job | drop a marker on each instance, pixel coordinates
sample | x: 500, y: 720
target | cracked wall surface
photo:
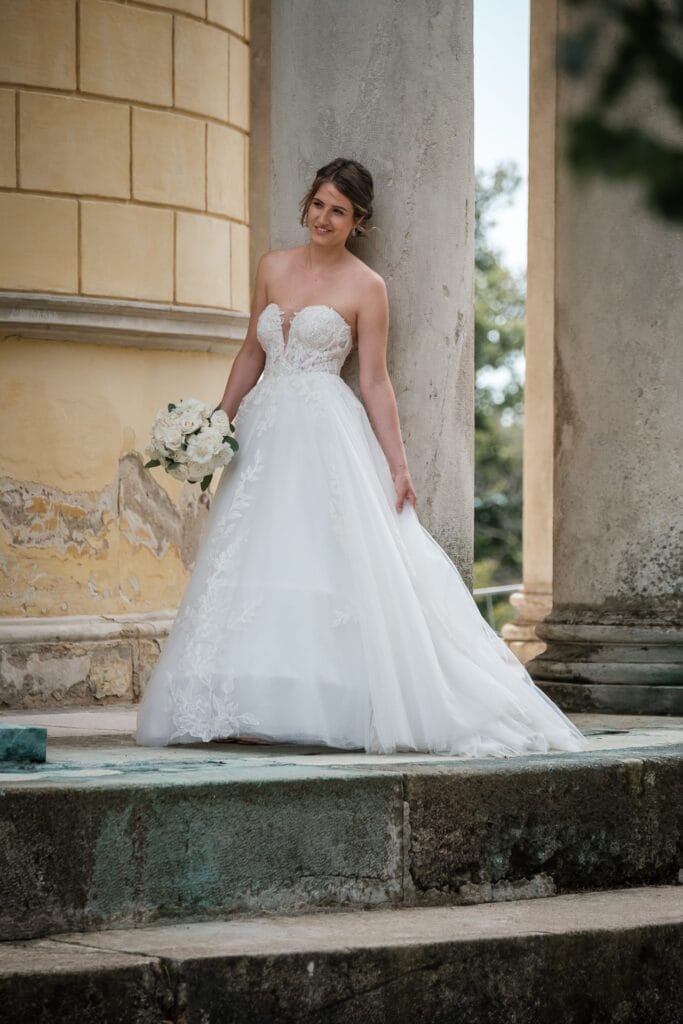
x: 84, y: 527
x: 86, y: 531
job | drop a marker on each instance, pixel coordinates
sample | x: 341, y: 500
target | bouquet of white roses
x: 191, y: 439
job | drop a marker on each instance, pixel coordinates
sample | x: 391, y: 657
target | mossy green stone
x: 22, y: 744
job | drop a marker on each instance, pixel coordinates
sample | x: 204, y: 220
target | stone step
x: 107, y: 834
x: 592, y: 958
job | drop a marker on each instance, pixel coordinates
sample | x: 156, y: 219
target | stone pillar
x: 390, y: 84
x: 614, y: 635
x: 124, y: 283
x: 534, y: 600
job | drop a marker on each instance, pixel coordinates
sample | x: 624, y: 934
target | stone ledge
x: 119, y: 834
x: 613, y: 697
x: 121, y: 322
x: 58, y: 661
x: 612, y: 957
x: 66, y: 628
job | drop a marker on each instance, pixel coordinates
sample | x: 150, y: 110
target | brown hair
x: 353, y: 181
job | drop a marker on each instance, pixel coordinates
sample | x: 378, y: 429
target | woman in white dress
x: 320, y: 610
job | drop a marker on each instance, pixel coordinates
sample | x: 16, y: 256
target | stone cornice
x: 120, y: 322
x: 63, y: 628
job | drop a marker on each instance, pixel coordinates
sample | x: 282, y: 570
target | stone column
x: 390, y: 84
x: 614, y: 635
x: 534, y: 600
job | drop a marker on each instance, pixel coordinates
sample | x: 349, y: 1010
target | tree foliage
x: 499, y: 342
x: 621, y: 45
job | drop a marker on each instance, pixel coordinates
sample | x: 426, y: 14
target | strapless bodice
x: 318, y: 340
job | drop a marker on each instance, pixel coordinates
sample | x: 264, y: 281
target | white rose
x: 225, y: 455
x: 203, y: 446
x: 220, y: 422
x: 196, y: 471
x: 190, y: 420
x: 189, y: 405
x: 178, y: 472
x: 167, y: 435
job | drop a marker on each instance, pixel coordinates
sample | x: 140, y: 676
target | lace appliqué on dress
x: 199, y: 692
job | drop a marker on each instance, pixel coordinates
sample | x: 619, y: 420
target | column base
x: 79, y: 659
x: 520, y: 635
x: 623, y: 669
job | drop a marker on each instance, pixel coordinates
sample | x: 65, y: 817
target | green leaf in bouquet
x: 232, y: 442
x: 171, y: 406
x: 152, y: 463
x: 206, y: 481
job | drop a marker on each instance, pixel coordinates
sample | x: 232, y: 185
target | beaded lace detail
x: 318, y: 340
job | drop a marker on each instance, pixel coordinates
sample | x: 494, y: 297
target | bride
x: 320, y: 610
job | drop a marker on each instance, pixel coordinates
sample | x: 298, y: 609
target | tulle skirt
x: 318, y: 614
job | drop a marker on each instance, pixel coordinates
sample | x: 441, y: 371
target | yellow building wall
x: 85, y: 528
x: 124, y: 151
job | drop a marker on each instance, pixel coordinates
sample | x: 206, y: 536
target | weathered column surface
x: 390, y: 84
x: 614, y: 635
x: 534, y: 600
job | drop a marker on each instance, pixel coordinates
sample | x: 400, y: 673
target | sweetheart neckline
x: 294, y: 313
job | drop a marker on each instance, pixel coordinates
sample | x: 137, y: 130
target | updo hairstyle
x: 353, y: 181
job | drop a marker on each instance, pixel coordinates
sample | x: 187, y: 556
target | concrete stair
x: 607, y: 957
x: 500, y: 888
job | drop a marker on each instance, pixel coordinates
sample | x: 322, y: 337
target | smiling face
x: 330, y: 217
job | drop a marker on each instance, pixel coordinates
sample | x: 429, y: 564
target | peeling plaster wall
x: 84, y: 528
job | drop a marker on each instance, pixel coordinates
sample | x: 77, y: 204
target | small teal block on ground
x: 22, y: 744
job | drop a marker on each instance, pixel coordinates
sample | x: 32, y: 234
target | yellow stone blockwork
x: 228, y: 13
x: 239, y: 83
x: 82, y: 532
x: 184, y: 6
x: 126, y: 52
x: 239, y: 262
x: 127, y: 251
x: 38, y: 42
x: 8, y: 164
x: 43, y: 251
x: 226, y: 185
x: 201, y: 68
x: 74, y: 145
x: 116, y: 119
x: 169, y: 158
x: 202, y: 260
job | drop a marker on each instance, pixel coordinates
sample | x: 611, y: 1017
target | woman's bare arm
x: 377, y: 390
x: 250, y: 360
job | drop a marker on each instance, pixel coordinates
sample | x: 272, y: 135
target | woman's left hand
x: 403, y: 486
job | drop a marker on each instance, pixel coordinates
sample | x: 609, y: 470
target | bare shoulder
x: 372, y: 289
x: 275, y: 263
x: 277, y: 258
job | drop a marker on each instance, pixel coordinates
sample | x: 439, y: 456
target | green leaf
x: 152, y: 463
x: 206, y: 481
x: 171, y: 406
x: 232, y: 442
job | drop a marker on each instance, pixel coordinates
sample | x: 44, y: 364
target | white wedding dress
x: 318, y: 614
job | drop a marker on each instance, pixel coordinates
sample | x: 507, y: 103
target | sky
x: 501, y: 109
